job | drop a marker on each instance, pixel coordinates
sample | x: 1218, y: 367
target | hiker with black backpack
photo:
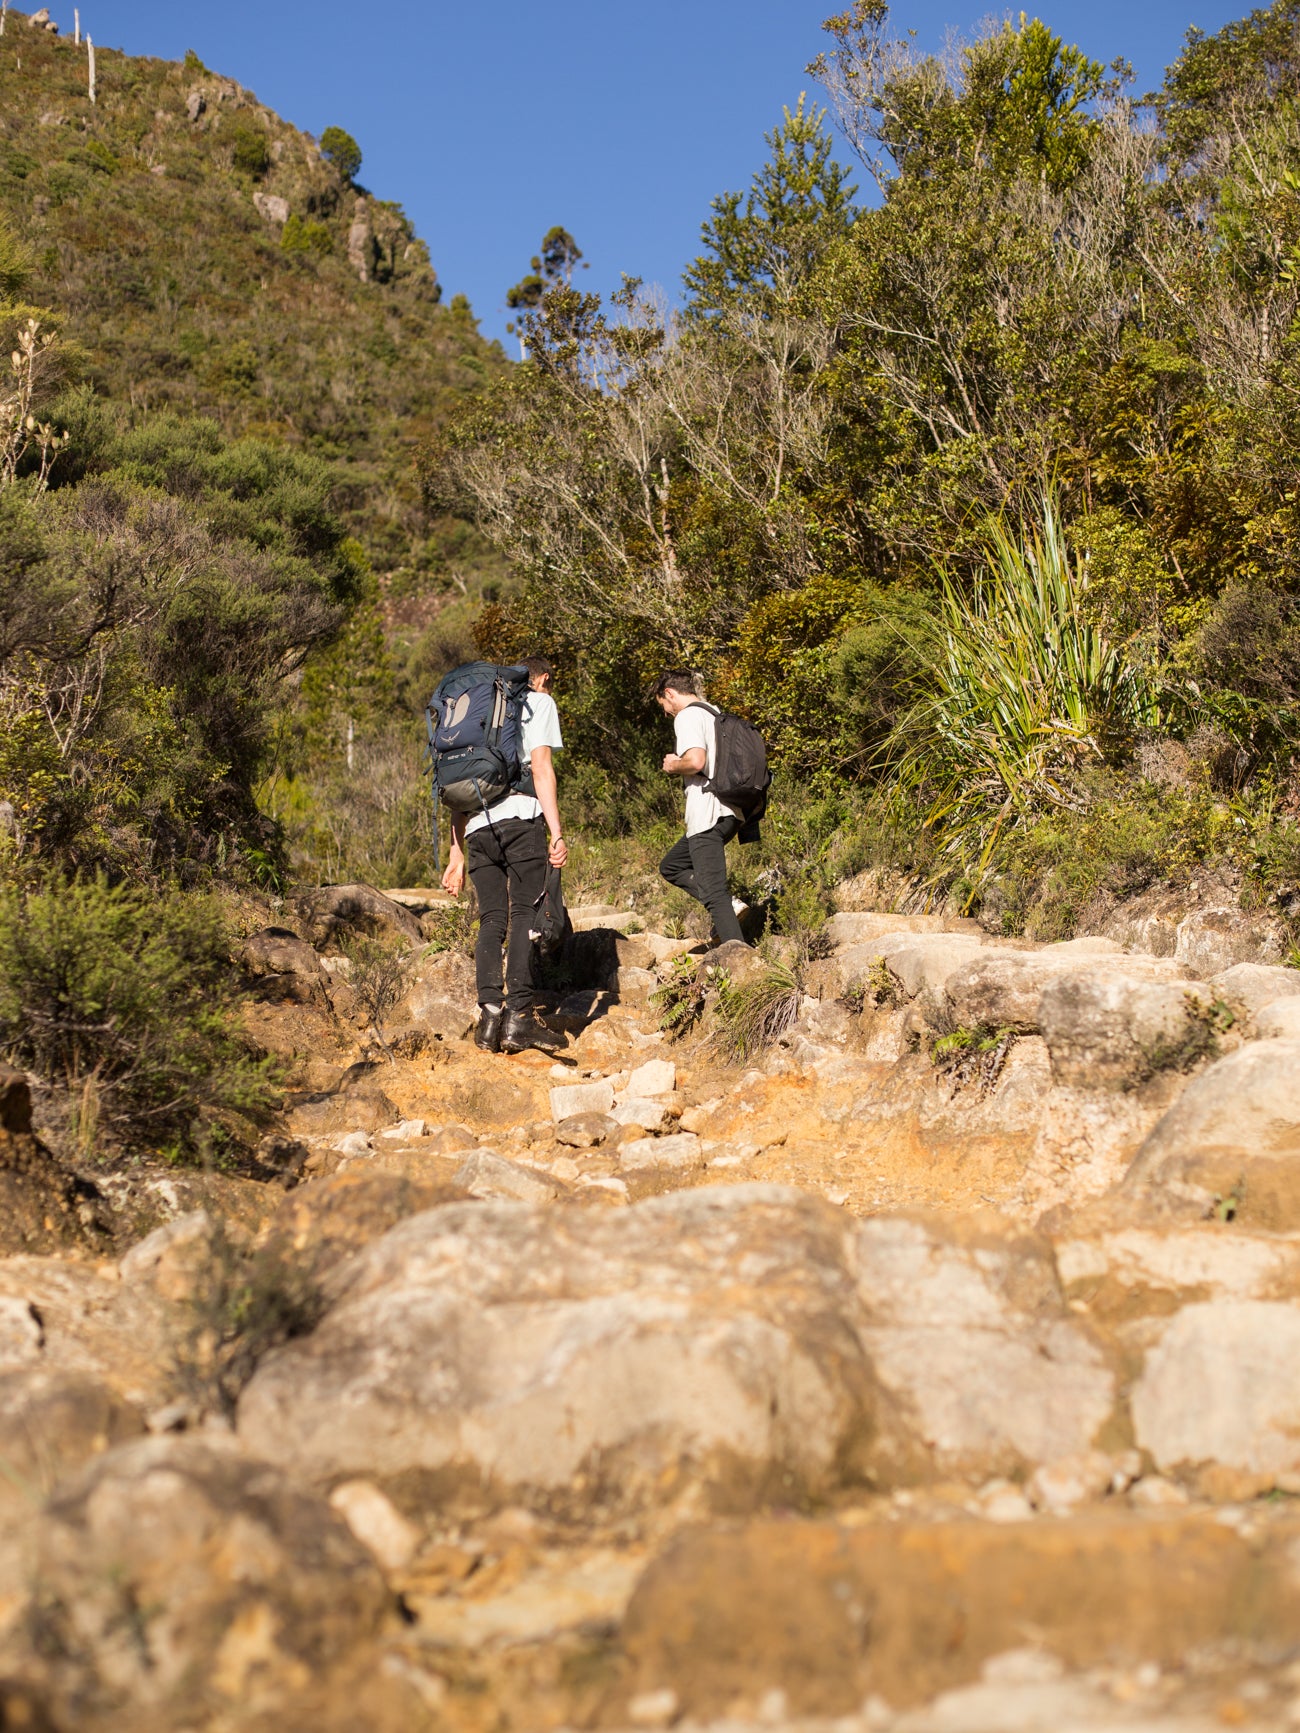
x: 723, y: 763
x: 492, y: 735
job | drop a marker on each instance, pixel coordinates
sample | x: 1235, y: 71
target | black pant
x: 507, y: 865
x: 698, y: 866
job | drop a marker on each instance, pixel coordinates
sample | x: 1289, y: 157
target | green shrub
x: 302, y: 235
x: 122, y: 996
x: 252, y: 152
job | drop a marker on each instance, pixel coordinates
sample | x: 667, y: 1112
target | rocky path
x: 937, y: 1371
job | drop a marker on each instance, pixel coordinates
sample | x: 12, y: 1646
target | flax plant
x: 1027, y: 692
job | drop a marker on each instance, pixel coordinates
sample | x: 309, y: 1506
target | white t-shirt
x: 695, y: 726
x: 541, y: 727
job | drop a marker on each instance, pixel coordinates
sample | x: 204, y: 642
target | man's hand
x: 558, y: 852
x: 672, y: 764
x: 453, y: 879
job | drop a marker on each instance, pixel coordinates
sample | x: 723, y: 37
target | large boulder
x: 921, y: 964
x: 178, y: 1582
x: 1210, y: 941
x: 1279, y: 1020
x: 733, y: 1340
x: 578, y: 1359
x: 1231, y: 1141
x: 321, y: 1224
x: 1004, y: 988
x: 52, y: 1422
x: 857, y: 928
x: 359, y: 1103
x: 334, y: 912
x: 1249, y: 987
x: 75, y: 1317
x: 1105, y: 1029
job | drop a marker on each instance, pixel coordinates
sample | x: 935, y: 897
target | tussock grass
x: 1028, y: 693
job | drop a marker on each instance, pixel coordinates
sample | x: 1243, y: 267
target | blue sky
x: 489, y: 123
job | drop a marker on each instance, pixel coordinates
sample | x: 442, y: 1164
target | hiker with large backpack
x: 723, y: 763
x: 492, y: 735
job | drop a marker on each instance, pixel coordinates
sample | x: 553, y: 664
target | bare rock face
x: 361, y: 241
x: 1231, y: 1140
x: 582, y: 1360
x: 271, y: 206
x: 180, y: 1578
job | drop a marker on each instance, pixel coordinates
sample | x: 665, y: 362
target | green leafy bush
x: 122, y: 996
x: 303, y: 235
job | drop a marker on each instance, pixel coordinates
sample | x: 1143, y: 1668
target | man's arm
x: 453, y: 879
x: 542, y: 765
x: 688, y: 763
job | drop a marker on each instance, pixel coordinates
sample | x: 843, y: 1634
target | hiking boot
x: 526, y: 1029
x: 488, y: 1034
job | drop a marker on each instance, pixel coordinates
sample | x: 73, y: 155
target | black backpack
x: 475, y: 721
x: 740, y: 775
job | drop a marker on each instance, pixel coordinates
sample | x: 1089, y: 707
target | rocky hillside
x: 908, y: 1347
x: 210, y: 259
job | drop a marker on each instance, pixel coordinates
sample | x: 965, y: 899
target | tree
x: 551, y: 268
x: 1016, y: 100
x: 762, y: 245
x: 341, y: 149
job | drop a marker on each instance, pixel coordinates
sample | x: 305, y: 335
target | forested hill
x: 210, y: 258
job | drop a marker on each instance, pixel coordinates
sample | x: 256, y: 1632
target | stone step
x: 828, y: 1615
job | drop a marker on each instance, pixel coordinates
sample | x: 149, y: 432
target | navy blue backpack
x: 475, y: 720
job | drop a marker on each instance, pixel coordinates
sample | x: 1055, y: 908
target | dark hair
x: 538, y: 668
x: 679, y: 679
